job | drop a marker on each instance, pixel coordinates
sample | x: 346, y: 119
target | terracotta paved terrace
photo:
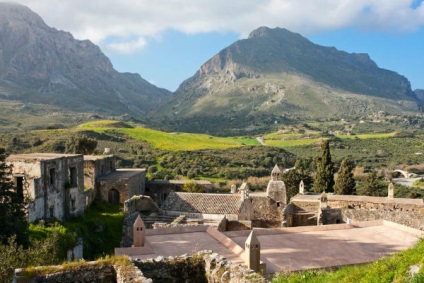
x: 290, y: 249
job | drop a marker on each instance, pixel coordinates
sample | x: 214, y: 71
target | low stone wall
x: 408, y: 218
x: 408, y: 214
x: 83, y: 272
x: 202, y: 267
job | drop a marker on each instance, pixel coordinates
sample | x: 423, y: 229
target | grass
x: 419, y: 183
x: 288, y: 143
x: 394, y: 268
x: 170, y: 141
x: 367, y: 136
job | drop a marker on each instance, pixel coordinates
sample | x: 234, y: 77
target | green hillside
x: 167, y: 141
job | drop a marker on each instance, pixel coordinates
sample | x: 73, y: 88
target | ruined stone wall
x: 202, y: 267
x: 411, y: 215
x: 302, y: 213
x: 140, y: 203
x: 332, y: 216
x: 413, y: 219
x: 48, y: 185
x: 95, y: 166
x: 136, y: 184
x: 84, y: 272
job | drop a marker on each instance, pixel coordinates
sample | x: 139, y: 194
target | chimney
x: 139, y: 232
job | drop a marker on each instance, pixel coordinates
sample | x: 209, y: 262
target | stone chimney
x: 139, y: 232
x: 107, y: 151
x: 391, y: 191
x: 252, y: 252
x: 276, y: 173
x: 301, y: 188
x: 244, y: 191
x: 233, y: 189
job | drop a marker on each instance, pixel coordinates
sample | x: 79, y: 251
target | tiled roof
x: 203, y: 203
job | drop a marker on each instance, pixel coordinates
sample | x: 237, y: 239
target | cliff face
x: 41, y: 64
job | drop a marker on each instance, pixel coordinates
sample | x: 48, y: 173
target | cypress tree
x: 12, y: 208
x: 345, y: 183
x: 324, y: 177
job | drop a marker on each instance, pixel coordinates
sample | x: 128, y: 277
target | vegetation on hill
x: 168, y: 141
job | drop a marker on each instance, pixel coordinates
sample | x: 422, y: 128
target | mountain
x: 276, y: 76
x: 39, y: 64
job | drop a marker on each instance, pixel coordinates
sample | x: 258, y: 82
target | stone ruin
x: 205, y: 266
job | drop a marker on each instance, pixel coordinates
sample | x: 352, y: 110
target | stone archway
x: 113, y: 196
x: 405, y: 174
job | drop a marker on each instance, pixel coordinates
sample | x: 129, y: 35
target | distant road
x: 261, y: 140
x: 406, y: 182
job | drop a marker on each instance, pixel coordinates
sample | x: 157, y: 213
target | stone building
x: 120, y: 185
x: 104, y: 182
x: 96, y: 166
x: 53, y: 184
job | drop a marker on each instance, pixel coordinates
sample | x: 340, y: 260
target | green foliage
x: 324, y: 177
x: 12, y: 206
x: 408, y: 192
x: 80, y: 144
x: 292, y: 180
x: 100, y: 227
x: 192, y: 187
x: 345, y: 183
x: 391, y: 269
x: 39, y: 252
x: 373, y: 185
x: 171, y: 141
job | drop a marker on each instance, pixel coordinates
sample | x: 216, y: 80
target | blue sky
x: 166, y: 41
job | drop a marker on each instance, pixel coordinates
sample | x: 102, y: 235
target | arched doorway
x: 113, y: 196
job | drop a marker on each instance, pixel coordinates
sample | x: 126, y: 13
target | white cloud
x: 126, y: 46
x: 124, y: 20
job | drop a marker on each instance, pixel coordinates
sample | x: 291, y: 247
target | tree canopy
x: 324, y: 177
x: 12, y: 207
x: 345, y: 183
x: 80, y: 144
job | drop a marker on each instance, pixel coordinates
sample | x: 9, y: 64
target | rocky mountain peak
x: 58, y: 69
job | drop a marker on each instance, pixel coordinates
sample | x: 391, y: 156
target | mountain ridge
x: 278, y: 76
x: 44, y: 65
